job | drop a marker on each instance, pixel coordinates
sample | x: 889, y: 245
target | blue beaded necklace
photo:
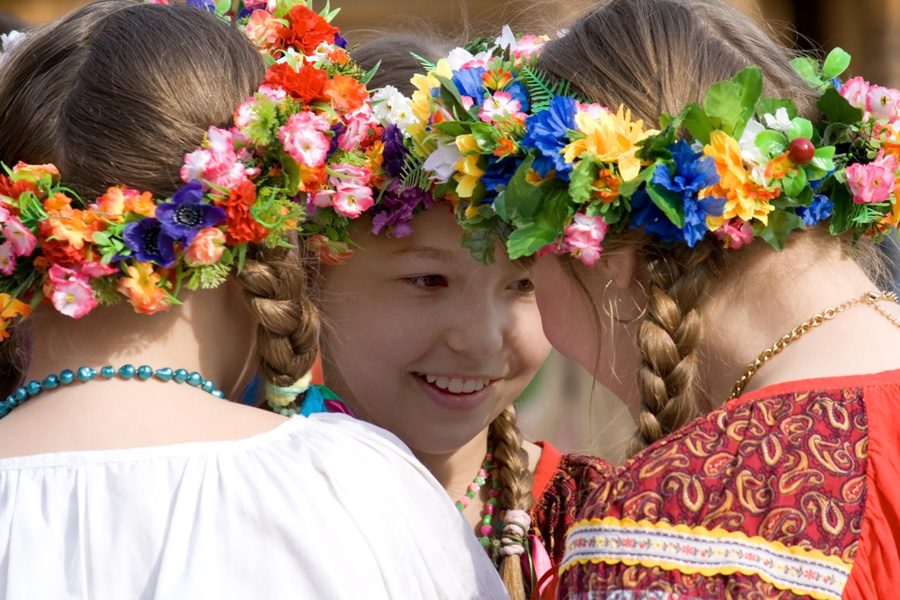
x: 85, y: 374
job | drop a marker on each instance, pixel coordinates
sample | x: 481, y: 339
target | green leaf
x: 771, y: 143
x: 821, y: 164
x: 734, y: 101
x: 698, y: 123
x: 223, y: 6
x: 453, y: 128
x: 523, y: 200
x: 837, y: 109
x: 800, y: 128
x: 780, y: 225
x: 581, y: 180
x: 669, y: 202
x: 450, y: 98
x: 769, y: 106
x: 529, y: 239
x: 480, y: 244
x: 794, y: 182
x: 557, y: 208
x: 808, y: 69
x: 100, y: 238
x: 484, y: 136
x: 836, y: 63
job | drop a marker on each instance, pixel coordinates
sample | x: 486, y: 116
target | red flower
x: 241, y: 226
x: 14, y: 190
x: 307, y: 30
x: 306, y: 84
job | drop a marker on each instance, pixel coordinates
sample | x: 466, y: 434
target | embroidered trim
x: 706, y: 552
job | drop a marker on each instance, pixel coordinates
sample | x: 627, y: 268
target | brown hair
x: 117, y: 92
x: 656, y: 56
x: 393, y: 54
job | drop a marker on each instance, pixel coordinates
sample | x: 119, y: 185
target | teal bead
x: 195, y: 379
x: 218, y: 394
x: 85, y: 374
x: 50, y: 382
x: 145, y: 372
x: 22, y: 394
x: 207, y: 386
x: 127, y: 371
x: 4, y: 409
x: 164, y: 374
x: 181, y: 376
x: 34, y: 388
x: 107, y: 372
x: 66, y: 377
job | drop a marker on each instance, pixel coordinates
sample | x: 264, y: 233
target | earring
x: 609, y: 310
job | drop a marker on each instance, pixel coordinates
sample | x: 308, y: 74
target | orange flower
x: 338, y: 56
x: 117, y: 201
x: 13, y: 191
x: 504, y: 147
x: 311, y: 178
x: 744, y: 198
x: 241, y: 226
x: 10, y: 308
x: 141, y: 287
x: 778, y: 167
x: 606, y: 188
x: 345, y: 92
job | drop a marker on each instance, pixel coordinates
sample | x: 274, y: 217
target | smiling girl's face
x: 424, y: 341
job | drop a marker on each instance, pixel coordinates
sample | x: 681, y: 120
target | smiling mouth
x: 456, y: 385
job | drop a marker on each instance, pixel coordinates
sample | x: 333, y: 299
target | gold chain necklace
x: 870, y: 298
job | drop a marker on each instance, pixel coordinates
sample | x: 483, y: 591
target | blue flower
x: 337, y: 130
x: 497, y: 175
x: 394, y: 153
x: 837, y: 83
x: 692, y: 174
x: 186, y: 215
x: 547, y: 131
x: 207, y: 5
x: 820, y: 208
x: 149, y: 242
x: 518, y: 92
x: 470, y: 83
x: 339, y: 41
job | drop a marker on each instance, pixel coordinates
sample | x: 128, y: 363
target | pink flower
x: 583, y: 236
x: 499, y: 105
x: 72, y: 294
x: 262, y: 29
x: 467, y: 102
x: 7, y: 259
x: 245, y: 113
x: 855, y: 91
x: 206, y: 248
x: 218, y: 168
x: 304, y: 140
x: 274, y: 93
x: 873, y: 182
x: 18, y: 235
x: 593, y: 109
x: 358, y: 123
x: 349, y: 174
x: 96, y: 269
x: 350, y: 200
x: 328, y: 251
x: 323, y: 198
x: 735, y: 233
x: 528, y: 45
x: 882, y: 102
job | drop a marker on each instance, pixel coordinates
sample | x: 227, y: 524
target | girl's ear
x: 620, y: 266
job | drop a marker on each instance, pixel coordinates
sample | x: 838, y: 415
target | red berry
x: 801, y: 151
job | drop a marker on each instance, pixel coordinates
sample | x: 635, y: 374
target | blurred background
x: 564, y: 405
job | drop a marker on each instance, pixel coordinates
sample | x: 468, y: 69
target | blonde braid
x: 516, y: 482
x: 667, y: 340
x: 274, y: 280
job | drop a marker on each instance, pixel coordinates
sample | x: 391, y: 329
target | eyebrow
x: 427, y: 252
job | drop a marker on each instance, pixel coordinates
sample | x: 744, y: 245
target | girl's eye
x: 523, y: 286
x: 428, y: 281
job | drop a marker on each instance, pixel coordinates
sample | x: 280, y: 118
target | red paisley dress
x: 792, y: 491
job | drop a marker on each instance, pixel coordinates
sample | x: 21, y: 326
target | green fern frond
x: 430, y: 66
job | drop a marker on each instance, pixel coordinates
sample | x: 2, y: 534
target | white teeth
x: 455, y: 385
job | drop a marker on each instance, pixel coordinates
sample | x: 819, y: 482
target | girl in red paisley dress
x: 786, y: 483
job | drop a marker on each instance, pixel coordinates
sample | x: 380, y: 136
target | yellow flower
x: 467, y: 144
x: 468, y: 175
x: 611, y: 139
x: 142, y: 288
x: 744, y: 197
x: 11, y: 308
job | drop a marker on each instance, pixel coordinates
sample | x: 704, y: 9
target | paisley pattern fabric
x: 769, y: 497
x: 562, y: 485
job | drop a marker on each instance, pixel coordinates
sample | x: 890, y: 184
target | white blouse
x: 325, y: 507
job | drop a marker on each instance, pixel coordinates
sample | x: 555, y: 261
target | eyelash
x: 526, y: 283
x: 418, y: 281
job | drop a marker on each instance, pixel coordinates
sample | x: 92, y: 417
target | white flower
x: 8, y: 41
x: 390, y: 106
x: 442, y: 162
x: 749, y: 152
x: 780, y: 122
x: 507, y: 39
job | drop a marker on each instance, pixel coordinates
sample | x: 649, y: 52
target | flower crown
x: 528, y: 163
x: 307, y: 132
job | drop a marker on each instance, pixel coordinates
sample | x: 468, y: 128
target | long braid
x: 516, y: 483
x: 274, y: 280
x: 668, y: 376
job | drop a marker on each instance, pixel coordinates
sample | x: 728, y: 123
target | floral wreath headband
x: 531, y: 165
x: 306, y: 139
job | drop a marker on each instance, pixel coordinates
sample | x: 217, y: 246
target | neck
x: 778, y: 292
x: 455, y: 470
x: 204, y: 334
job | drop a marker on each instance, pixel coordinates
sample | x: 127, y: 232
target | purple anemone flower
x: 149, y: 242
x: 207, y: 5
x: 186, y: 215
x: 399, y: 205
x: 394, y: 151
